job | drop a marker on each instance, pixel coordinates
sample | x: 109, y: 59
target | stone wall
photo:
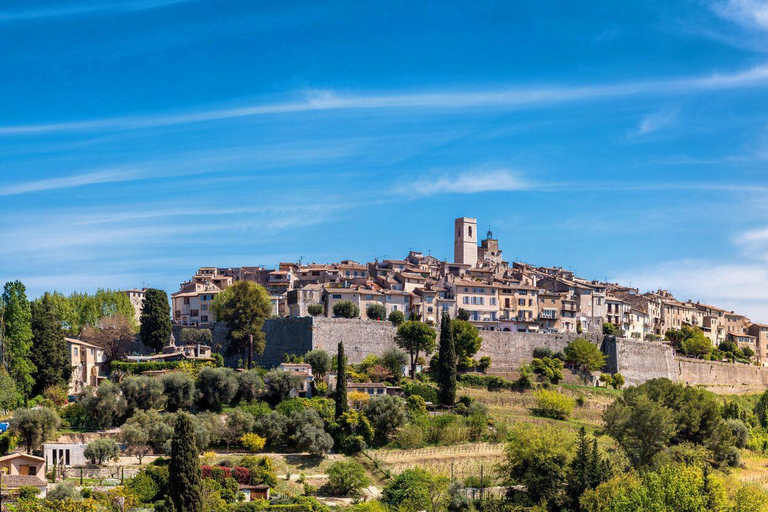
x: 637, y: 361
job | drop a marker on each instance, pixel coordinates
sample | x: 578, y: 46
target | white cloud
x: 443, y: 100
x: 469, y: 182
x: 656, y: 121
x: 748, y: 13
x: 741, y: 288
x: 85, y: 9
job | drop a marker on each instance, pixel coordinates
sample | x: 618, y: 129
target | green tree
x: 585, y: 355
x: 641, y: 426
x: 315, y: 309
x: 346, y: 309
x: 340, y: 395
x: 587, y: 470
x: 394, y: 360
x: 9, y: 396
x: 49, y: 355
x: 415, y: 338
x: 278, y: 385
x: 142, y: 392
x: 387, y: 414
x: 16, y: 335
x: 104, y: 406
x: 446, y: 366
x: 179, y: 390
x: 415, y: 490
x: 236, y: 424
x: 35, y: 426
x: 155, y: 330
x: 216, y: 387
x: 346, y: 478
x: 396, y: 317
x: 537, y: 459
x: 100, y: 451
x: 249, y: 385
x: 697, y: 345
x: 467, y: 339
x: 136, y: 440
x: 319, y: 360
x: 244, y: 307
x: 184, y: 479
x: 376, y: 311
x: 462, y: 314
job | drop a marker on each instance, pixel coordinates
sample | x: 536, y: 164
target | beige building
x: 137, y: 301
x: 519, y: 307
x: 550, y: 310
x: 22, y: 464
x: 192, y: 305
x: 480, y: 300
x: 760, y: 333
x: 88, y: 365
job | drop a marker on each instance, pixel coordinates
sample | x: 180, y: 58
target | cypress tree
x: 50, y: 354
x: 580, y: 475
x: 16, y: 334
x: 341, y: 382
x: 185, y: 484
x: 155, y: 320
x: 446, y: 376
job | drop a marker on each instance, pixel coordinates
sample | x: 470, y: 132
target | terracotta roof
x: 75, y: 341
x: 16, y: 455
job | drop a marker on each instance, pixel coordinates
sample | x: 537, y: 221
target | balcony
x: 548, y: 315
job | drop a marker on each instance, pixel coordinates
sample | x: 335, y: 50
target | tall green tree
x: 185, y: 484
x: 244, y: 307
x: 340, y: 396
x: 49, y: 355
x: 415, y: 337
x: 16, y: 333
x: 446, y: 369
x: 587, y: 470
x: 155, y: 320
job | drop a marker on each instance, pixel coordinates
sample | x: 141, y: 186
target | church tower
x: 465, y: 241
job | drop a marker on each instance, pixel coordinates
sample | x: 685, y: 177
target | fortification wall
x: 637, y: 361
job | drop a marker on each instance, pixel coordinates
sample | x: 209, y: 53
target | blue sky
x: 141, y: 139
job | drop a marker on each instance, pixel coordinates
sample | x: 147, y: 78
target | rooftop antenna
x: 301, y: 258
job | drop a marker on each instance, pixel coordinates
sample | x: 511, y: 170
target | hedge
x: 256, y: 506
x: 490, y: 382
x: 136, y: 368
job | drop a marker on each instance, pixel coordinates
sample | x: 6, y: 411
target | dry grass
x: 462, y: 460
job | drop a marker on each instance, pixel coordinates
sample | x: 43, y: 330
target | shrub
x: 376, y: 311
x: 552, y: 404
x: 484, y: 363
x: 143, y: 487
x: 63, y: 491
x: 346, y: 478
x: 542, y: 352
x: 425, y: 391
x: 253, y: 442
x: 397, y: 318
x: 386, y: 413
x: 740, y: 432
x: 315, y: 309
x: 346, y: 309
x: 549, y: 370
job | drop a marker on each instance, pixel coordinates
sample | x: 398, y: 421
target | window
x: 394, y: 307
x: 493, y: 301
x: 521, y: 302
x: 204, y: 307
x: 204, y: 318
x: 194, y: 312
x: 186, y: 300
x: 466, y: 300
x: 470, y: 231
x: 337, y: 296
x: 430, y: 309
x: 75, y: 350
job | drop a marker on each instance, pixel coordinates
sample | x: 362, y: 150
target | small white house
x: 64, y: 454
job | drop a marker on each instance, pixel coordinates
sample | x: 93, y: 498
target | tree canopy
x: 415, y: 338
x: 243, y: 307
x: 155, y: 330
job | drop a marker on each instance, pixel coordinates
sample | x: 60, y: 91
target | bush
x: 346, y: 478
x: 143, y: 487
x: 376, y: 311
x: 425, y: 391
x: 63, y: 491
x: 253, y: 442
x: 542, y: 352
x: 484, y: 363
x: 397, y: 318
x: 490, y: 382
x: 386, y: 413
x: 549, y: 370
x: 346, y: 309
x: 740, y: 432
x: 315, y: 309
x: 552, y: 404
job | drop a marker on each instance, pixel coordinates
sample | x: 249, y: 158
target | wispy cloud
x: 81, y: 9
x: 468, y: 182
x: 441, y: 100
x: 655, y: 121
x: 748, y: 13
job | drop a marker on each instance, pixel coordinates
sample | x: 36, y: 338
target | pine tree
x: 185, y: 484
x: 49, y: 354
x: 580, y: 477
x: 155, y: 320
x: 340, y: 396
x: 446, y: 368
x: 16, y: 333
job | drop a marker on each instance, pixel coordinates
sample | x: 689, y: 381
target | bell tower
x: 465, y: 241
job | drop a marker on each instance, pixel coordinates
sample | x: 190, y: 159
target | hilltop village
x: 495, y: 294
